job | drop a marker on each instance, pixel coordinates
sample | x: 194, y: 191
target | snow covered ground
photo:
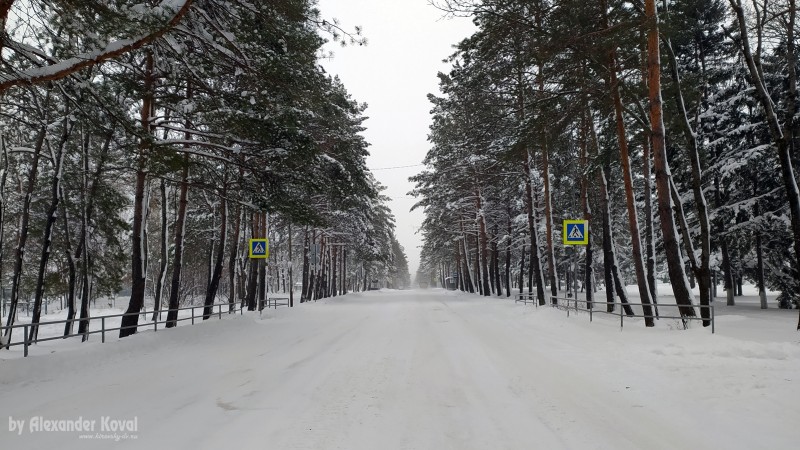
x: 416, y: 370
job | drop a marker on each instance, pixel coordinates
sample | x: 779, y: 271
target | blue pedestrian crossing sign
x: 576, y: 232
x: 259, y: 248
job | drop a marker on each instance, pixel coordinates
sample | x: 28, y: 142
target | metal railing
x: 277, y: 301
x: 526, y: 297
x: 564, y: 303
x: 28, y: 341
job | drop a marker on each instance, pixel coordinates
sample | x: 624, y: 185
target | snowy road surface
x: 412, y: 370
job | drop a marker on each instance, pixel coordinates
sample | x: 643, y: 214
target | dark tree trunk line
x: 522, y: 270
x: 633, y: 220
x: 3, y: 177
x: 262, y: 263
x: 163, y: 261
x: 508, y: 252
x: 291, y: 270
x: 232, y: 256
x: 727, y: 273
x: 762, y: 289
x: 535, y: 270
x: 613, y: 281
x: 334, y: 274
x: 304, y: 297
x: 677, y: 275
x: 71, y: 270
x: 57, y: 157
x: 138, y: 259
x: 88, y: 196
x: 587, y: 210
x: 484, y: 248
x: 180, y: 232
x: 252, y: 277
x: 649, y: 244
x: 496, y: 259
x: 703, y: 269
x: 216, y: 274
x: 467, y: 269
x: 477, y: 274
x: 22, y: 234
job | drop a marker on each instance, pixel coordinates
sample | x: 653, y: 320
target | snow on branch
x: 111, y: 50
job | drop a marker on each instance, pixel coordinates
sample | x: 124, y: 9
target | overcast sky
x: 393, y: 74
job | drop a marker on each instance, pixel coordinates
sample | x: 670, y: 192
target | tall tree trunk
x: 321, y: 270
x: 304, y: 296
x: 649, y: 243
x: 138, y: 272
x: 703, y: 269
x: 548, y: 217
x: 762, y: 290
x: 291, y: 270
x: 57, y: 157
x: 262, y: 264
x: 164, y: 256
x: 87, y: 270
x: 478, y: 266
x: 22, y: 234
x: 213, y: 285
x: 3, y: 177
x: 613, y: 280
x: 180, y: 231
x: 535, y: 270
x: 496, y: 255
x: 138, y: 260
x: 633, y: 220
x: 72, y: 270
x: 484, y: 250
x: 587, y: 210
x: 459, y: 270
x: 467, y: 269
x: 344, y: 271
x: 677, y: 275
x: 252, y: 277
x: 522, y: 257
x: 548, y: 198
x: 88, y: 195
x: 508, y: 253
x: 232, y: 256
x: 727, y: 273
x: 334, y: 263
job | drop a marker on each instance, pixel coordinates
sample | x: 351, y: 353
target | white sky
x: 393, y: 74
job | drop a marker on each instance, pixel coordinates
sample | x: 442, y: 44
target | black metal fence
x: 28, y: 340
x: 594, y: 307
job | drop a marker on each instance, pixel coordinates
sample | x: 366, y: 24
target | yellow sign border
x: 567, y: 223
x: 266, y: 247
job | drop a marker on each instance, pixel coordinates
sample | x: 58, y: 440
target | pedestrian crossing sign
x: 259, y: 248
x: 576, y: 232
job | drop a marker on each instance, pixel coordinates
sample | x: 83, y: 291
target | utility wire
x: 396, y: 167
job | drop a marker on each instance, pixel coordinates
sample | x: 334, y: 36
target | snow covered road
x: 412, y: 370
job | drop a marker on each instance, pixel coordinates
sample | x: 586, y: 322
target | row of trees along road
x: 668, y: 125
x: 144, y: 144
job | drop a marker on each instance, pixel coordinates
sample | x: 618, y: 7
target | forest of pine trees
x: 669, y: 125
x: 144, y: 144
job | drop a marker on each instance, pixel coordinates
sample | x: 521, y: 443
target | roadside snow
x: 419, y: 370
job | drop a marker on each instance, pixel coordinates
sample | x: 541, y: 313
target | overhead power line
x: 397, y: 167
